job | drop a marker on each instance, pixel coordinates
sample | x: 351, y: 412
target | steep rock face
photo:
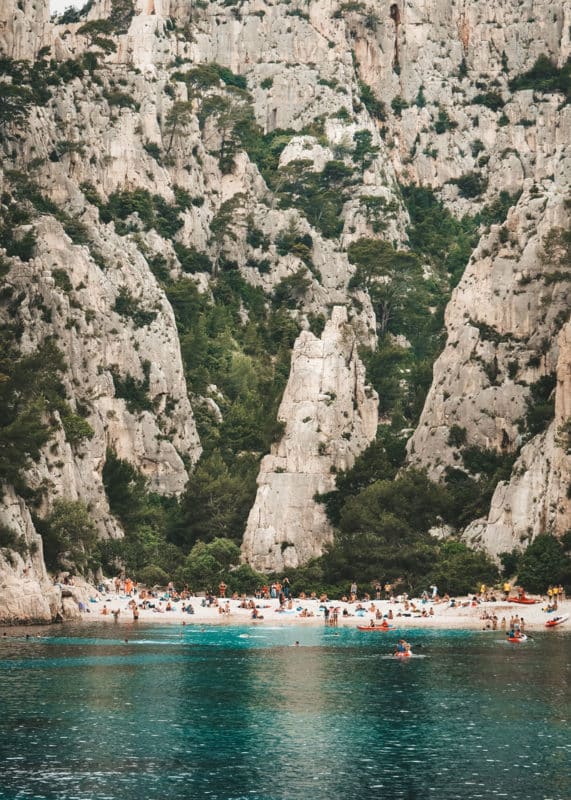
x: 96, y: 295
x: 101, y: 349
x: 23, y: 25
x: 536, y: 499
x: 330, y: 416
x: 26, y: 594
x: 443, y: 69
x: 431, y: 62
x: 502, y: 322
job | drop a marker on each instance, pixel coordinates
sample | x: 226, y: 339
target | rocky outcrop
x: 503, y: 321
x: 536, y: 499
x: 329, y: 416
x: 442, y: 70
x: 23, y: 26
x: 26, y: 593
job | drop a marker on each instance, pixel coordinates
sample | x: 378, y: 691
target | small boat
x: 522, y: 599
x: 404, y: 654
x: 375, y: 627
x: 518, y: 639
x: 551, y: 623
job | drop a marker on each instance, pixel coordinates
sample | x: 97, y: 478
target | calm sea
x: 229, y: 713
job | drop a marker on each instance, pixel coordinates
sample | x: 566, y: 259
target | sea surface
x: 236, y: 713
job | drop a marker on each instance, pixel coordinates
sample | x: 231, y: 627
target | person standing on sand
x: 222, y: 589
x: 353, y: 589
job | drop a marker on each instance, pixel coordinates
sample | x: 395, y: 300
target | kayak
x: 518, y: 639
x: 551, y: 623
x: 374, y: 627
x: 406, y: 654
x: 524, y: 600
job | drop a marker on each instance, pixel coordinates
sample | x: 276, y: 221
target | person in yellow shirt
x: 507, y: 588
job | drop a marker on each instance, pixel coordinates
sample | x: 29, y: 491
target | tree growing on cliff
x: 178, y: 117
x: 69, y: 535
x: 29, y: 387
x: 96, y: 32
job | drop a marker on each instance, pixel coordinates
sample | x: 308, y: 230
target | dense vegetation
x: 248, y: 362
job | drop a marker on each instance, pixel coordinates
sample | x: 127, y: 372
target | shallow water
x: 229, y: 713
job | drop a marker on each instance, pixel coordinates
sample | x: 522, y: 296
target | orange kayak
x: 525, y: 600
x: 374, y: 627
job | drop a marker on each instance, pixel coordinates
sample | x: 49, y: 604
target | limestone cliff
x: 536, y: 500
x: 329, y: 416
x: 169, y: 142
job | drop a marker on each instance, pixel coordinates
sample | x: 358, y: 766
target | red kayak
x: 551, y: 623
x: 525, y: 600
x: 374, y: 627
x: 518, y: 639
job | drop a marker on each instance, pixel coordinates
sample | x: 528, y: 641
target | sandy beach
x: 464, y: 614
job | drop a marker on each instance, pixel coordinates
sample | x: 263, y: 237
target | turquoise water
x: 228, y: 713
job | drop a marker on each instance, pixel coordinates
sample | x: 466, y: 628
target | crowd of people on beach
x: 379, y: 603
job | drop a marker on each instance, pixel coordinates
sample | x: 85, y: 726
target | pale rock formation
x: 536, y: 499
x: 427, y: 53
x: 98, y: 343
x: 502, y: 323
x: 26, y: 594
x: 23, y: 27
x: 330, y: 416
x: 441, y: 48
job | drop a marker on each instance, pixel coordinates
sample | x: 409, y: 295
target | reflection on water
x: 230, y: 713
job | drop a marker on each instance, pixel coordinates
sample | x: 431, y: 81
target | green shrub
x: 470, y: 185
x: 121, y: 100
x: 290, y: 291
x: 459, y: 570
x: 128, y: 306
x: 457, y: 436
x: 540, y: 405
x: 135, y: 392
x: 76, y: 428
x: 192, y: 260
x: 30, y: 387
x: 153, y: 211
x: 11, y: 540
x: 544, y: 563
x: 152, y: 575
x: 491, y: 100
x: 72, y: 15
x: 398, y: 105
x: 444, y: 123
x: 62, y: 280
x: 245, y: 580
x: 375, y: 107
x: 153, y: 149
x: 545, y: 76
